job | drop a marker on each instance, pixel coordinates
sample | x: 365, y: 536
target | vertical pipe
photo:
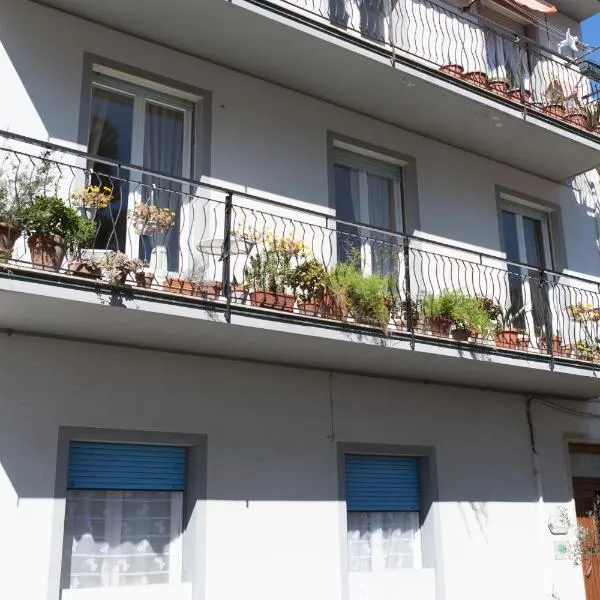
x: 226, y: 255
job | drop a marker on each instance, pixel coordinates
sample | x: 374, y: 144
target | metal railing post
x: 226, y: 255
x: 409, y: 303
x: 547, y: 315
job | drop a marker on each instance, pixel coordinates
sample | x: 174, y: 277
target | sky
x: 591, y: 34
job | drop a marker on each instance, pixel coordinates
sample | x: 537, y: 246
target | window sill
x: 172, y: 591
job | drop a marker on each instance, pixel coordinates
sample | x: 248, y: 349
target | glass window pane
x: 122, y: 538
x: 510, y: 236
x: 347, y: 204
x: 534, y: 246
x: 111, y: 131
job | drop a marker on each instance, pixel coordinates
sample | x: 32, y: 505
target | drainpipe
x: 539, y: 491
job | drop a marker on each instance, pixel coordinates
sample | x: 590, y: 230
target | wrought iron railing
x: 93, y: 221
x: 466, y: 47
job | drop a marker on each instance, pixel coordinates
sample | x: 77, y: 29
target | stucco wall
x: 274, y: 525
x: 264, y: 136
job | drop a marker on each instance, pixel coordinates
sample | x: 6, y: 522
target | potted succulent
x: 118, y: 266
x: 437, y: 309
x: 88, y: 200
x: 149, y: 219
x: 51, y: 227
x: 89, y: 267
x: 507, y: 335
x: 365, y: 297
x: 310, y: 281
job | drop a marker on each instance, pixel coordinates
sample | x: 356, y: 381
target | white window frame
x: 143, y: 93
x: 367, y: 162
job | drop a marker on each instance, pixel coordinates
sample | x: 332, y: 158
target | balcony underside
x: 355, y: 76
x: 84, y: 312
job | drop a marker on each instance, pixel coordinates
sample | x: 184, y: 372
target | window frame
x: 193, y: 538
x: 431, y: 551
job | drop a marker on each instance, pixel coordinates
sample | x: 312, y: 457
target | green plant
x: 310, y: 280
x: 555, y: 93
x: 49, y: 215
x: 468, y: 313
x: 364, y: 296
x: 21, y: 183
x: 270, y: 271
x: 588, y: 350
x: 439, y: 306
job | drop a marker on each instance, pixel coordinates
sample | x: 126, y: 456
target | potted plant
x: 469, y: 317
x: 310, y: 282
x: 555, y: 343
x: 365, y: 297
x: 10, y: 222
x: 500, y: 85
x: 176, y: 285
x: 452, y: 69
x: 143, y: 278
x: 118, y: 266
x: 239, y: 292
x: 478, y: 78
x: 576, y: 117
x: 269, y: 272
x: 89, y: 267
x: 88, y: 200
x: 148, y: 219
x: 209, y: 289
x: 437, y: 309
x: 507, y: 335
x: 556, y: 100
x: 515, y: 94
x: 51, y: 227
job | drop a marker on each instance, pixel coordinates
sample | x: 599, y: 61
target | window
x: 133, y: 124
x: 367, y: 191
x: 526, y: 240
x: 383, y: 513
x: 124, y: 514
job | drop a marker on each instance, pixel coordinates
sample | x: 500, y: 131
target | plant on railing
x: 269, y: 273
x: 20, y: 184
x: 470, y: 318
x: 310, y: 282
x: 148, y: 219
x: 118, y: 266
x: 588, y: 317
x: 508, y: 334
x: 366, y: 297
x: 437, y: 310
x: 88, y: 266
x: 555, y: 97
x: 88, y: 200
x: 52, y: 227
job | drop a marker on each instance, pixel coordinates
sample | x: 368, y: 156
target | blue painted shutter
x: 99, y: 466
x: 382, y: 483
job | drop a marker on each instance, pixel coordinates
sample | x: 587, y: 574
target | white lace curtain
x: 123, y: 538
x: 381, y: 541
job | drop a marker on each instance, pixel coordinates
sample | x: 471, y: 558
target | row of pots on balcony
x: 501, y: 87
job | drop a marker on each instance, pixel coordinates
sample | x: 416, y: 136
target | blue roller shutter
x: 382, y: 483
x: 100, y: 466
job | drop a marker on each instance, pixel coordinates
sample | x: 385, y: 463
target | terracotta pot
x: 454, y: 70
x: 507, y: 338
x: 332, y: 308
x: 556, y: 344
x: 576, y: 119
x: 47, y: 251
x: 179, y: 286
x: 461, y: 334
x: 311, y: 307
x: 80, y: 269
x: 440, y: 326
x: 209, y: 289
x: 499, y: 87
x: 278, y: 300
x: 9, y: 234
x: 515, y: 94
x: 477, y: 78
x: 597, y: 130
x: 555, y: 110
x: 523, y: 343
x: 144, y: 280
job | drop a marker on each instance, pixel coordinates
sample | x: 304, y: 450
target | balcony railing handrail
x: 402, y: 238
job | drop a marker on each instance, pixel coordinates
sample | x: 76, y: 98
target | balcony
x: 247, y: 276
x: 425, y: 66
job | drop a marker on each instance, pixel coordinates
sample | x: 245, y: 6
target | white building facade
x: 206, y: 424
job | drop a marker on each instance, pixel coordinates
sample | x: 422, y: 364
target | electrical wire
x: 574, y: 412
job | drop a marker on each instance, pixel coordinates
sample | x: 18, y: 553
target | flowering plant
x: 117, y: 266
x: 584, y: 312
x: 92, y: 196
x: 148, y: 219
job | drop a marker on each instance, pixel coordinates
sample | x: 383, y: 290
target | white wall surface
x: 275, y: 527
x: 263, y: 136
